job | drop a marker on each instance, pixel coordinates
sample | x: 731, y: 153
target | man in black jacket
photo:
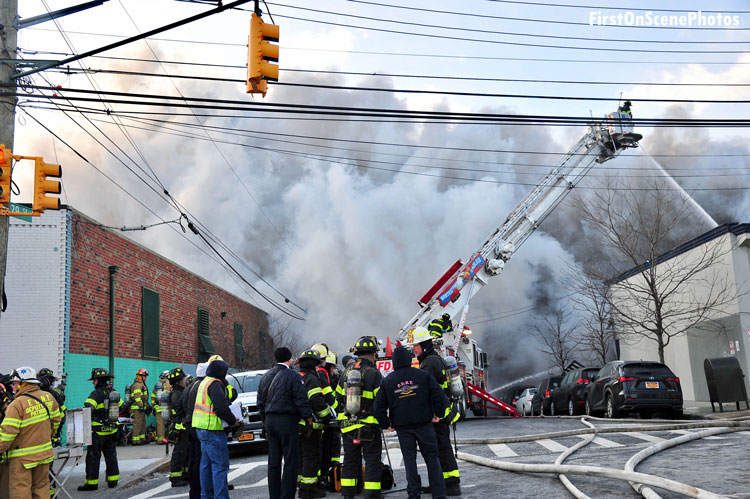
x: 414, y: 400
x: 179, y: 463
x: 282, y: 402
x: 430, y: 361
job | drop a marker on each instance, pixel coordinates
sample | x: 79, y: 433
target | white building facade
x: 725, y: 332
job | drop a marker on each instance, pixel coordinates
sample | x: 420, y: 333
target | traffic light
x: 261, y: 53
x: 5, y: 166
x: 42, y: 186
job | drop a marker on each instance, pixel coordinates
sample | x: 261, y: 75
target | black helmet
x: 628, y: 103
x: 446, y: 316
x: 366, y: 344
x: 99, y: 373
x: 310, y: 354
x: 175, y: 375
x: 46, y: 373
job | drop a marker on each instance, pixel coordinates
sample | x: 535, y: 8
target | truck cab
x: 246, y: 383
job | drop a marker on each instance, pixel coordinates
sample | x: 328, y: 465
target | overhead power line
x: 68, y: 60
x: 506, y: 33
x: 382, y: 75
x: 535, y: 20
x: 609, y: 7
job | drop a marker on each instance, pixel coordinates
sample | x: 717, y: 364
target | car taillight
x: 582, y: 380
x: 546, y: 393
x: 675, y: 379
x: 622, y: 378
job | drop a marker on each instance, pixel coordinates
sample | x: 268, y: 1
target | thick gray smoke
x: 358, y: 246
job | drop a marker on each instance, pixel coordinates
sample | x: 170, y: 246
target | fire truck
x: 604, y: 140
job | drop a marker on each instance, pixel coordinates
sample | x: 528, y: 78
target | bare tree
x: 557, y: 336
x: 591, y: 298
x: 282, y: 335
x: 661, y: 297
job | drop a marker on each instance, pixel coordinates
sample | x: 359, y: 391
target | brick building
x: 58, y: 286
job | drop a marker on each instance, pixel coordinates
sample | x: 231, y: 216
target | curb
x: 145, y: 472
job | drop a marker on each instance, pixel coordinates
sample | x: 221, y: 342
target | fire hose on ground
x: 637, y: 480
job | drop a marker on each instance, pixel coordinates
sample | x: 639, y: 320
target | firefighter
x: 178, y: 465
x: 310, y: 433
x: 103, y: 433
x: 6, y: 397
x: 164, y: 382
x: 430, y: 361
x: 414, y: 400
x: 194, y: 445
x: 211, y: 408
x: 439, y: 327
x: 138, y: 406
x: 625, y: 108
x: 46, y: 377
x: 360, y: 431
x: 331, y: 446
x: 330, y: 398
x: 26, y: 434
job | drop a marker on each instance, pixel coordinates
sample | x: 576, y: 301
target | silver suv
x: 246, y: 383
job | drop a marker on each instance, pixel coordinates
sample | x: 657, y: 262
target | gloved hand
x: 149, y: 410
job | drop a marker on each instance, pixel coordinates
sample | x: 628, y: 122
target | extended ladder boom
x: 602, y: 142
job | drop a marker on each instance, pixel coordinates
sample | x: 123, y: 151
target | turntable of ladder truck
x: 604, y: 140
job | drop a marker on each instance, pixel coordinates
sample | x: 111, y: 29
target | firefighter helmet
x: 99, y: 373
x: 46, y: 373
x: 446, y: 316
x: 25, y: 374
x: 142, y: 372
x: 419, y: 335
x: 214, y: 357
x: 310, y: 354
x: 175, y: 375
x: 366, y: 344
x: 331, y: 358
x: 322, y: 350
x: 164, y: 374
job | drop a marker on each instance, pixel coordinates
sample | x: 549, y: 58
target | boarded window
x: 205, y: 347
x: 239, y: 350
x: 150, y: 323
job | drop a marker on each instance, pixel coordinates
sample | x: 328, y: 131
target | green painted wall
x: 78, y: 367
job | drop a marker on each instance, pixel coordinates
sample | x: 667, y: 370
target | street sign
x: 20, y: 209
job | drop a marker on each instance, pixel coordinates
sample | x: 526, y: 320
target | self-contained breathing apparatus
x: 112, y: 407
x: 128, y: 397
x: 165, y: 406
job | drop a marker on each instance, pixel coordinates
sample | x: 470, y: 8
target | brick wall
x: 181, y: 293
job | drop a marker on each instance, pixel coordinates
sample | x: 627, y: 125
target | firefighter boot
x: 452, y: 489
x: 112, y: 484
x: 88, y: 486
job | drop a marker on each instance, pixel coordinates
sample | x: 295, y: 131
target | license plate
x: 652, y: 384
x: 246, y: 436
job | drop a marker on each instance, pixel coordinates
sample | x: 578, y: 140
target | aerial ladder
x: 604, y: 140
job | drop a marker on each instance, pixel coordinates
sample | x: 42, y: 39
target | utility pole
x: 8, y: 15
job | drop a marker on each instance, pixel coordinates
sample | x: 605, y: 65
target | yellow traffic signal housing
x: 42, y: 186
x: 261, y: 53
x: 5, y: 169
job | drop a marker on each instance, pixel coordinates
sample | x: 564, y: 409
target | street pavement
x: 717, y: 464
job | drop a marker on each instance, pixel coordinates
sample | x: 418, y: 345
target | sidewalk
x: 695, y: 409
x: 134, y: 463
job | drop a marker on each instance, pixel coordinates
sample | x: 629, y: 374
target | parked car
x: 645, y: 387
x: 540, y: 403
x: 523, y: 404
x: 568, y: 397
x: 246, y: 383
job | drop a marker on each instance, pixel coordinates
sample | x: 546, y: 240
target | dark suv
x: 645, y: 387
x: 540, y: 404
x: 568, y: 397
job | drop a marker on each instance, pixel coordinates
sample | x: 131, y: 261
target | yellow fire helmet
x: 419, y: 335
x: 214, y: 357
x: 322, y: 349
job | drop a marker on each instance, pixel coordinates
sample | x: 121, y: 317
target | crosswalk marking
x: 502, y: 450
x: 261, y: 483
x: 242, y: 469
x: 551, y: 445
x: 602, y: 442
x: 153, y: 492
x: 688, y: 432
x: 645, y: 436
x: 396, y: 458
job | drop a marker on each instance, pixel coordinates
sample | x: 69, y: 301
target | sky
x: 331, y: 213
